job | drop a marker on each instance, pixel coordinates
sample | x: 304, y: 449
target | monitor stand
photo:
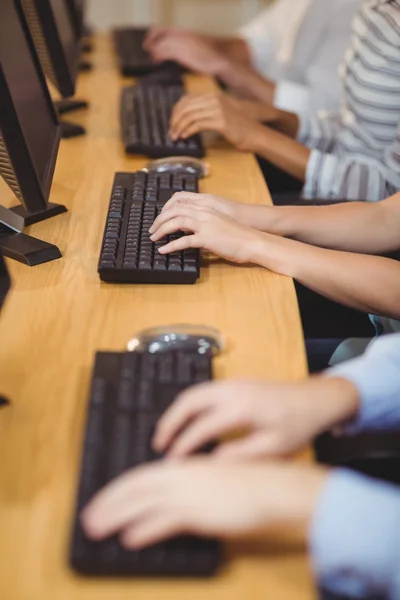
x: 19, y: 246
x: 29, y: 218
x: 85, y: 65
x: 87, y: 46
x: 69, y: 105
x: 70, y: 130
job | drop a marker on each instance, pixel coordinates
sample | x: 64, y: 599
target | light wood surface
x: 59, y: 314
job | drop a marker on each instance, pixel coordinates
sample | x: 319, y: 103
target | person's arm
x: 348, y: 177
x: 235, y: 48
x: 218, y: 112
x: 354, y: 537
x: 376, y: 376
x: 364, y: 227
x: 279, y: 419
x: 241, y: 122
x: 355, y: 280
x: 245, y: 80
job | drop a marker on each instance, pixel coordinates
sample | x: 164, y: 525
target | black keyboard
x: 129, y: 393
x: 127, y: 253
x: 133, y: 58
x: 145, y: 117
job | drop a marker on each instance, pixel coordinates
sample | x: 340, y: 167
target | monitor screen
x: 31, y: 105
x: 76, y: 8
x: 57, y: 44
x: 5, y: 281
x: 66, y: 29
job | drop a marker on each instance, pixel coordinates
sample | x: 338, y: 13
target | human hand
x: 274, y: 419
x: 257, y: 111
x: 157, y: 33
x: 214, y: 112
x: 208, y: 230
x: 188, y: 49
x: 202, y: 497
x: 245, y: 214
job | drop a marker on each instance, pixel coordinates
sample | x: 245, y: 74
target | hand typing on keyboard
x: 256, y: 216
x: 191, y: 51
x: 209, y: 231
x: 200, y: 496
x: 215, y: 111
x: 278, y: 419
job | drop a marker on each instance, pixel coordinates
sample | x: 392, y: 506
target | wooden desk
x: 59, y: 314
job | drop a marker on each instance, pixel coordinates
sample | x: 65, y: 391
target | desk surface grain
x: 56, y: 317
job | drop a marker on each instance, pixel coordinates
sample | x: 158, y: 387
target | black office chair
x: 376, y: 454
x: 329, y: 596
x: 294, y: 199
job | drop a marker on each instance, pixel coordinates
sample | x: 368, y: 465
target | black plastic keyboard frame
x: 186, y: 556
x: 132, y: 65
x: 192, y: 147
x: 113, y: 266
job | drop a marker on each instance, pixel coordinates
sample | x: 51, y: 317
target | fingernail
x: 151, y: 229
x: 161, y: 250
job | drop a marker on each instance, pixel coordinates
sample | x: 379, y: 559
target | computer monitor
x: 5, y: 281
x: 77, y: 10
x: 29, y: 137
x: 57, y: 45
x: 5, y: 284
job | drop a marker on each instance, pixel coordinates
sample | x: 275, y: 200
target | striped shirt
x: 356, y: 152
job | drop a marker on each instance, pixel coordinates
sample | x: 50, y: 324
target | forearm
x: 248, y: 82
x: 235, y: 48
x: 368, y: 563
x: 281, y: 120
x: 354, y: 280
x: 281, y: 150
x: 365, y: 227
x: 376, y: 377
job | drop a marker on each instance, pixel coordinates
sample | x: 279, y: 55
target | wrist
x: 224, y: 68
x: 254, y: 215
x: 269, y: 251
x: 268, y: 114
x: 335, y: 401
x: 299, y: 488
x: 253, y: 141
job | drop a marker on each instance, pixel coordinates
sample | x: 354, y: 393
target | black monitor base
x: 27, y: 249
x: 84, y: 65
x: 52, y: 210
x: 86, y: 46
x: 69, y: 105
x: 70, y: 130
